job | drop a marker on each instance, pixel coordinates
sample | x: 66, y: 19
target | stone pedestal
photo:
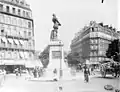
x: 56, y: 60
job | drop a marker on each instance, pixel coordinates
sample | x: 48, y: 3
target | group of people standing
x: 36, y: 72
x: 88, y: 70
x: 18, y: 72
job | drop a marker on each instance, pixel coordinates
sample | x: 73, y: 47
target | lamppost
x: 60, y: 60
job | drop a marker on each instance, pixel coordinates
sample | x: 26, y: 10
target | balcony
x: 17, y: 37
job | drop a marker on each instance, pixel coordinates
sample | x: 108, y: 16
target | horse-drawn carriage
x: 111, y: 68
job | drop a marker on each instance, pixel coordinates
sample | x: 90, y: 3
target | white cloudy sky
x: 72, y: 14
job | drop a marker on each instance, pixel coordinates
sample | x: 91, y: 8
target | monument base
x: 66, y: 75
x: 56, y: 61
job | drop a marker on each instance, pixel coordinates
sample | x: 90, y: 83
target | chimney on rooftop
x: 106, y: 26
x: 114, y: 29
x: 101, y: 24
x: 110, y: 27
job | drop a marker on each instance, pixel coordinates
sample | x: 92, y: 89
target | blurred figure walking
x: 16, y: 72
x: 86, y: 73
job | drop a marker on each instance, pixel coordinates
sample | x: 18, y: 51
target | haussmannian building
x: 92, y: 41
x: 16, y: 31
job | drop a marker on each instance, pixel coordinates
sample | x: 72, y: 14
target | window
x: 29, y: 33
x: 29, y: 44
x: 91, y: 53
x: 95, y: 54
x: 13, y: 10
x: 7, y: 19
x: 29, y: 24
x: 1, y: 7
x: 19, y: 22
x: 96, y: 41
x: 7, y: 9
x: 15, y: 31
x: 27, y: 15
x: 2, y: 18
x: 95, y: 29
x: 23, y: 13
x: 91, y: 41
x: 8, y: 30
x: 14, y: 21
x: 91, y: 47
x: 2, y: 28
x: 9, y: 44
x: 19, y: 12
x: 25, y: 33
x: 2, y: 43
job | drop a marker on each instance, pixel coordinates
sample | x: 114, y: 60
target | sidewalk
x: 9, y: 83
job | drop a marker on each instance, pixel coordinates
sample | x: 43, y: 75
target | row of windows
x: 15, y: 21
x: 99, y: 53
x: 93, y: 47
x: 100, y: 29
x: 15, y: 10
x: 15, y: 31
x: 93, y: 53
x: 97, y: 59
x: 93, y: 41
x: 15, y: 55
x: 101, y: 35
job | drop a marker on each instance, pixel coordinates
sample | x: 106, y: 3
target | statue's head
x: 54, y: 14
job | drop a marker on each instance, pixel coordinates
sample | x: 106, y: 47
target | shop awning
x: 1, y: 62
x: 9, y: 62
x: 28, y: 64
x: 26, y: 54
x: 21, y: 54
x: 37, y: 63
x: 20, y: 62
x: 10, y: 40
x: 21, y: 42
x: 16, y: 41
x: 4, y: 39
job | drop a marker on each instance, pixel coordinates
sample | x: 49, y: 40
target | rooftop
x: 21, y: 3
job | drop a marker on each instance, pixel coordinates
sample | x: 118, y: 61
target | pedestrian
x: 55, y: 74
x: 86, y: 73
x: 92, y: 71
x: 16, y: 72
x: 4, y: 75
x: 28, y: 76
x: 20, y: 71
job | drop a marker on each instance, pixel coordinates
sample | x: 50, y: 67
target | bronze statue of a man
x: 55, y: 26
x: 56, y: 22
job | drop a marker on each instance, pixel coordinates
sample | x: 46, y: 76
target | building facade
x: 16, y: 30
x: 92, y: 41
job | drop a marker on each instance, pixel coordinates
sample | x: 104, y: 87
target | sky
x: 73, y: 16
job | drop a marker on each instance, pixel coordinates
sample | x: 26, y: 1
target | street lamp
x: 60, y: 60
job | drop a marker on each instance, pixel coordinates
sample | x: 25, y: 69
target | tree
x: 44, y: 57
x: 73, y: 58
x: 113, y: 50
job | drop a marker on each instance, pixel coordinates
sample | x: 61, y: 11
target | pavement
x: 96, y: 84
